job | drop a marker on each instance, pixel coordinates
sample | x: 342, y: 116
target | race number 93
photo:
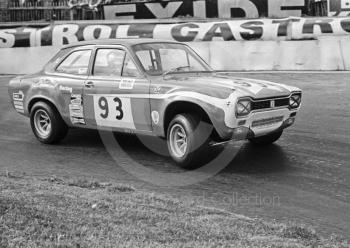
x: 113, y: 111
x: 103, y: 104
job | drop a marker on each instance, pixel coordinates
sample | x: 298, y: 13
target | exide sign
x: 205, y: 9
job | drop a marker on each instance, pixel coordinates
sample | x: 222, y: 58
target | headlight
x: 243, y: 107
x: 295, y: 100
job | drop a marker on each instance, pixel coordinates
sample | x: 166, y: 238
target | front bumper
x: 243, y: 133
x: 262, y: 123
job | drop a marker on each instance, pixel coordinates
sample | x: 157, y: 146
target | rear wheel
x: 47, y: 124
x: 266, y: 139
x: 187, y: 139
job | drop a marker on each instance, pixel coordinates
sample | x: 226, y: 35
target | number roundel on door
x: 113, y: 111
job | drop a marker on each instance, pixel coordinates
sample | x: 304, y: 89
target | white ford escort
x: 151, y: 87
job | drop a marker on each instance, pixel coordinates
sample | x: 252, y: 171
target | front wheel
x: 266, y: 139
x: 47, y: 124
x: 187, y: 138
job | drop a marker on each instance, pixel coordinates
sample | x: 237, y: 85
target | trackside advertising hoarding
x: 57, y: 34
x: 204, y: 9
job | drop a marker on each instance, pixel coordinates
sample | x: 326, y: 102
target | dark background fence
x: 33, y: 11
x: 50, y: 10
x: 317, y: 7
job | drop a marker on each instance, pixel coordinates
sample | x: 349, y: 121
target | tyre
x: 187, y: 139
x: 47, y: 124
x: 266, y: 139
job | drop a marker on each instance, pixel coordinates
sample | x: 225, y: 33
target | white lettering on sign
x: 225, y: 6
x: 64, y: 34
x: 6, y: 38
x: 168, y: 11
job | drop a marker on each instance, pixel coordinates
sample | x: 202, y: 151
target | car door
x: 116, y: 94
x: 70, y: 76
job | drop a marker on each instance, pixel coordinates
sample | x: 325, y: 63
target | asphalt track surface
x: 304, y: 178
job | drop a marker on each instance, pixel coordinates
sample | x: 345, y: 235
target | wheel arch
x: 34, y: 100
x: 60, y: 128
x: 183, y: 106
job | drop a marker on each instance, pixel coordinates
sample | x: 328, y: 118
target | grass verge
x: 82, y: 213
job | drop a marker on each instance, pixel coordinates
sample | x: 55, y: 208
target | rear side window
x: 55, y: 60
x: 76, y: 63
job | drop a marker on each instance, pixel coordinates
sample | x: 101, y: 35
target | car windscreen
x: 163, y: 58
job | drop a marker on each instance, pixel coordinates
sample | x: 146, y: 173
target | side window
x: 130, y: 69
x: 108, y: 62
x: 148, y: 60
x: 76, y: 63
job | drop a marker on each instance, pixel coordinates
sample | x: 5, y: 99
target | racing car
x: 151, y: 87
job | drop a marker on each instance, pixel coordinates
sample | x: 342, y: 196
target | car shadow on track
x: 83, y: 138
x: 256, y: 160
x: 151, y: 151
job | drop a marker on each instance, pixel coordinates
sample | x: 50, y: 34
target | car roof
x: 124, y: 42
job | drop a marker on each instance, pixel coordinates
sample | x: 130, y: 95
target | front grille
x: 282, y: 102
x: 266, y: 104
x: 260, y: 105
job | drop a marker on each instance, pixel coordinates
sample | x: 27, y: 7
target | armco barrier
x: 329, y: 53
x: 315, y: 55
x: 24, y: 60
x: 345, y: 51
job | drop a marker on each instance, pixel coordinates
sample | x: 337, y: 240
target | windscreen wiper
x: 176, y: 69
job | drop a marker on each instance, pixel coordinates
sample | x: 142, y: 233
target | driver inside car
x: 115, y: 64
